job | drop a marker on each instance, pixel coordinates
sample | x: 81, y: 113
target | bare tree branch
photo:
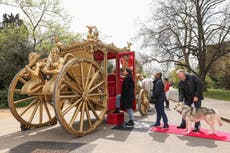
x: 183, y: 29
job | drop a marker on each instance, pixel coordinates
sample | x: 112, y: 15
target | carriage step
x: 115, y: 118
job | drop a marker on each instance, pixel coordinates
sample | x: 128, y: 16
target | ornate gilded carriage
x: 72, y: 85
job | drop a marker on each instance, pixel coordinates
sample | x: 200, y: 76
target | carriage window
x: 112, y: 66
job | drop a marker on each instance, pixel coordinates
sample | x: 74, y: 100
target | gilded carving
x: 52, y: 68
x: 32, y: 71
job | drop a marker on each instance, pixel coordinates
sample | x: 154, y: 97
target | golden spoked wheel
x: 84, y: 98
x: 143, y: 102
x: 31, y: 109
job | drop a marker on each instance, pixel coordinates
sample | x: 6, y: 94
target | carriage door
x: 125, y: 60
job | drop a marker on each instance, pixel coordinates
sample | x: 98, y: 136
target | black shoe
x: 117, y: 110
x: 155, y: 125
x: 196, y: 130
x: 166, y: 126
x: 181, y: 127
x: 129, y: 123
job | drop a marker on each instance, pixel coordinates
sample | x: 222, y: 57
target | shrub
x: 3, y: 98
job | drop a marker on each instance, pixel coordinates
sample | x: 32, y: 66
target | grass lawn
x: 218, y: 94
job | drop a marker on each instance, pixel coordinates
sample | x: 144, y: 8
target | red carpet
x: 223, y: 136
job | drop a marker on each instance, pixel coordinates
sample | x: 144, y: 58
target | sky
x: 116, y: 20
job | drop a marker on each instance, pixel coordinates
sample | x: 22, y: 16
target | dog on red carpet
x: 191, y: 114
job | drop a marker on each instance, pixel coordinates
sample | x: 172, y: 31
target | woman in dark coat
x: 127, y: 96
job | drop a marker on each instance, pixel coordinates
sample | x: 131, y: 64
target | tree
x: 14, y: 47
x: 45, y: 20
x: 11, y: 20
x: 180, y: 31
x: 220, y: 70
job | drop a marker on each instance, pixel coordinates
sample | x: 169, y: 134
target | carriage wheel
x: 32, y: 110
x: 143, y: 102
x: 84, y: 99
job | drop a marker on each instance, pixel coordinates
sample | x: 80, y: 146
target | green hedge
x: 218, y: 94
x: 3, y: 98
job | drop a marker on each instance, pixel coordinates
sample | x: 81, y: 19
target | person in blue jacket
x: 158, y: 95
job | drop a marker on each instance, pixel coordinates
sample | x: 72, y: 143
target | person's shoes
x: 181, y: 127
x: 155, y: 125
x: 196, y: 130
x: 166, y: 126
x: 117, y: 110
x: 129, y: 123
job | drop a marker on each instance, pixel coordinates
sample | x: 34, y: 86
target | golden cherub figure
x: 59, y: 45
x: 52, y: 68
x: 32, y: 71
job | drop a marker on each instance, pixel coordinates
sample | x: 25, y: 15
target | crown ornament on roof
x: 93, y: 33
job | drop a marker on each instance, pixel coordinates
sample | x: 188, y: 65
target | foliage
x: 56, y: 32
x: 3, y: 99
x: 225, y: 82
x: 220, y: 73
x: 11, y: 20
x: 209, y: 82
x: 218, y: 94
x: 45, y: 20
x: 14, y: 49
x: 221, y: 82
x: 173, y: 79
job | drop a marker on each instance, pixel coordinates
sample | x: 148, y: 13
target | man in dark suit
x: 159, y: 95
x: 190, y: 92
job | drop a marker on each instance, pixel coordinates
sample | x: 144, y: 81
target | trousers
x: 196, y: 105
x: 129, y: 110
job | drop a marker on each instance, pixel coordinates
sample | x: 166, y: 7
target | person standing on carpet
x: 190, y: 92
x: 159, y: 95
x: 125, y: 100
